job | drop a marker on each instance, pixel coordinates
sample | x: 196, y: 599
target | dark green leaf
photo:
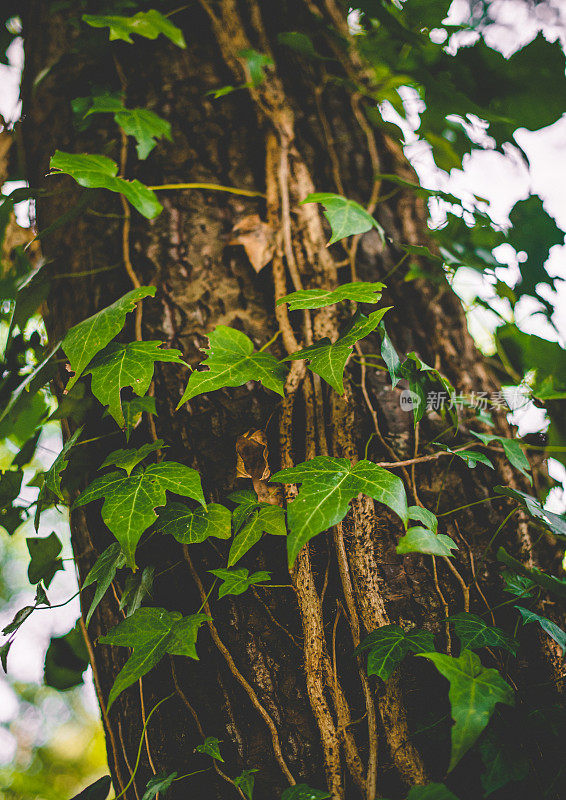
x: 513, y: 451
x: 328, y: 485
x: 151, y: 632
x: 158, y: 784
x: 100, y: 172
x: 433, y: 791
x: 231, y: 361
x: 121, y: 365
x: 4, y: 650
x: 474, y: 633
x: 193, y: 527
x: 502, y: 762
x: 210, y: 747
x: 19, y: 619
x: 425, y: 516
x: 102, y: 573
x: 535, y: 575
x: 269, y: 519
x: 128, y: 459
x: 301, y: 791
x: 423, y: 540
x: 246, y: 782
x: 149, y: 24
x: 130, y: 500
x: 553, y: 630
x: 346, y: 217
x: 96, y: 791
x: 359, y: 291
x: 328, y: 359
x: 90, y: 336
x: 547, y: 519
x: 137, y: 587
x: 389, y: 645
x: 66, y: 660
x: 45, y: 561
x: 238, y: 581
x: 474, y: 692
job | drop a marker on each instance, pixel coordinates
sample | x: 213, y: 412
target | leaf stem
x: 215, y: 187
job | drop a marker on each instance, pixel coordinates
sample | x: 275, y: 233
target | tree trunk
x: 277, y: 681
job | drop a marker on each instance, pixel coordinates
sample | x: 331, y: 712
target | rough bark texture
x: 276, y: 682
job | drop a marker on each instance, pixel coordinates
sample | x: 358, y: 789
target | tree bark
x: 277, y: 681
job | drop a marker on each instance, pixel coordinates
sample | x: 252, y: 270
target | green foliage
x: 474, y: 633
x: 121, y: 365
x: 66, y: 660
x: 246, y: 782
x: 346, y: 217
x: 158, y: 785
x: 553, y: 630
x: 96, y: 791
x: 149, y: 24
x: 238, y: 581
x: 130, y: 500
x: 552, y: 522
x: 100, y: 172
x: 474, y: 692
x: 328, y: 359
x: 210, y: 747
x: 359, y: 291
x: 102, y: 573
x: 138, y: 586
x: 389, y: 645
x: 534, y: 575
x: 44, y: 562
x: 502, y: 762
x: 269, y: 519
x: 303, y: 792
x: 231, y: 361
x: 52, y: 477
x: 151, y: 633
x: 512, y: 450
x: 469, y: 457
x: 89, y: 337
x: 194, y: 526
x: 127, y: 459
x: 328, y: 485
x: 423, y: 540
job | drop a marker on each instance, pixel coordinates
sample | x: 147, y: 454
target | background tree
x: 211, y: 125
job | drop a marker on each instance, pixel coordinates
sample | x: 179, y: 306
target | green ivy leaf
x: 151, y: 633
x: 328, y: 485
x: 100, y: 172
x: 535, y: 575
x: 121, y: 365
x: 328, y: 359
x: 149, y: 24
x: 346, y: 217
x: 127, y: 459
x: 238, y: 581
x: 553, y: 523
x: 130, y: 500
x: 423, y: 540
x: 193, y: 527
x: 474, y: 633
x: 137, y: 587
x: 89, y: 337
x: 231, y: 361
x: 246, y: 782
x: 158, y: 785
x: 470, y: 457
x: 269, y: 519
x: 389, y: 355
x: 102, y: 573
x: 210, y: 747
x: 474, y: 692
x: 425, y: 516
x: 359, y: 291
x: 45, y: 561
x: 133, y: 410
x: 4, y: 650
x: 96, y: 791
x: 503, y: 763
x: 389, y: 645
x: 145, y: 126
x: 512, y: 449
x: 52, y: 477
x: 301, y: 791
x: 18, y: 620
x: 66, y: 660
x: 553, y: 630
x: 518, y: 584
x: 256, y: 63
